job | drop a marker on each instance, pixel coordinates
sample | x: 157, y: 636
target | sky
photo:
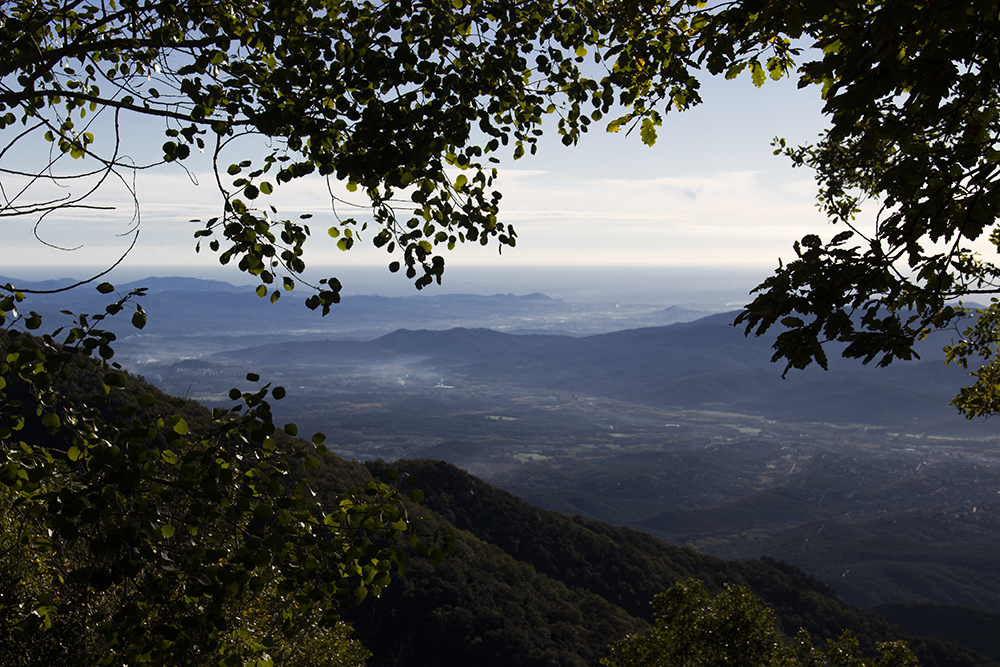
x: 709, y: 194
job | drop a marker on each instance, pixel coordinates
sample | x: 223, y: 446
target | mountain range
x: 218, y: 315
x: 704, y: 364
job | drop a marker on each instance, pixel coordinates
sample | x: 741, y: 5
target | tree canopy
x: 733, y: 628
x: 387, y: 97
x: 910, y: 89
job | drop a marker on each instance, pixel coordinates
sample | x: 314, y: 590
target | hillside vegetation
x: 623, y: 567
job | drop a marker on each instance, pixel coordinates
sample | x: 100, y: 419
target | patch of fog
x: 402, y: 373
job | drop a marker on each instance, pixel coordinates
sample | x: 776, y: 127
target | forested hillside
x: 624, y: 567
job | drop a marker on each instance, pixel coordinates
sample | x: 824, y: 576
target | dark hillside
x: 867, y: 561
x: 627, y: 568
x: 484, y: 608
x: 975, y: 628
x: 876, y: 535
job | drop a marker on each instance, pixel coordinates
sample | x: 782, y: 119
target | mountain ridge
x: 688, y: 365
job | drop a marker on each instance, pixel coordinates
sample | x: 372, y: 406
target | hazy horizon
x: 704, y: 287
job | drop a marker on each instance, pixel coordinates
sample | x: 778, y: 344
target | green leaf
x: 51, y: 422
x: 648, y: 131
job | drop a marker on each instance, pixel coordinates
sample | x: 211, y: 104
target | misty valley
x: 666, y: 421
x: 864, y: 477
x: 884, y: 513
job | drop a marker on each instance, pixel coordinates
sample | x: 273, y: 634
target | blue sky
x: 710, y: 193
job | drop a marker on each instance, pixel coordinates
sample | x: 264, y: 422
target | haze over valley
x: 659, y: 417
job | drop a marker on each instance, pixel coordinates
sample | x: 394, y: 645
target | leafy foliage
x: 131, y: 536
x: 911, y: 92
x: 386, y: 98
x: 733, y: 628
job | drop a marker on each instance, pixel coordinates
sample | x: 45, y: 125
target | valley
x: 866, y: 478
x: 883, y: 513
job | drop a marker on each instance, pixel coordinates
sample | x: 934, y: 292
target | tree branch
x: 75, y: 50
x: 12, y: 98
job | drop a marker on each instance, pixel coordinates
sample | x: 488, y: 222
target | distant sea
x: 700, y: 287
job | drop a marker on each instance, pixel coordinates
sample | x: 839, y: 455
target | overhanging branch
x: 17, y: 97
